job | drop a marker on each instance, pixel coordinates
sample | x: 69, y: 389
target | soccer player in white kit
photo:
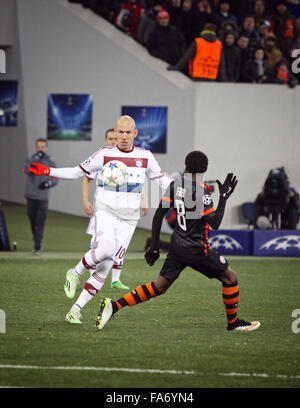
x: 110, y: 140
x: 118, y: 210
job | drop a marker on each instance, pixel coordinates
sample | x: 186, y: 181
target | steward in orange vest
x: 204, y: 60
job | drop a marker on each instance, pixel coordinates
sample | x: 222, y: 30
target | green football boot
x: 118, y: 285
x: 73, y: 316
x: 71, y: 284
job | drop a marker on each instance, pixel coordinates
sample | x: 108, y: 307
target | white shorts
x: 103, y: 226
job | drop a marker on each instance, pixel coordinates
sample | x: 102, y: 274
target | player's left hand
x: 39, y: 169
x: 152, y: 256
x: 227, y: 188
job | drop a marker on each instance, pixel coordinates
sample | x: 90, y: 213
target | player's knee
x: 105, y: 250
x: 162, y: 284
x: 229, y: 277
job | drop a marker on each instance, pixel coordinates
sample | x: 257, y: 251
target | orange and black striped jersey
x: 193, y: 203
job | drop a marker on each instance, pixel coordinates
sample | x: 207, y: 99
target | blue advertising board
x: 151, y: 122
x: 8, y: 103
x: 70, y: 116
x: 231, y: 242
x: 276, y: 243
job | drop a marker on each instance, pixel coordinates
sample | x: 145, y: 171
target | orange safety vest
x: 289, y: 29
x: 207, y: 60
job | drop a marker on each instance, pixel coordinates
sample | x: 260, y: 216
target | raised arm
x: 68, y: 173
x: 214, y: 219
x: 90, y: 165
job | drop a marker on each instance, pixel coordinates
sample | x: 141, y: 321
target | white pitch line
x: 128, y: 370
x: 261, y: 375
x: 149, y: 371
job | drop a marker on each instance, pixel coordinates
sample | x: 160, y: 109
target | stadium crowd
x: 224, y: 40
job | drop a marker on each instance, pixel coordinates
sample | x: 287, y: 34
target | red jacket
x: 136, y: 10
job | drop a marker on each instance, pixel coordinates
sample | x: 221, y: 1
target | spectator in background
x: 202, y: 14
x: 232, y: 57
x: 166, y: 41
x: 284, y: 26
x: 260, y: 12
x: 181, y: 16
x: 228, y: 26
x: 204, y: 59
x: 248, y: 28
x: 256, y: 69
x: 223, y: 13
x: 293, y: 7
x: 148, y: 21
x: 243, y: 43
x: 283, y: 75
x: 263, y: 29
x: 175, y: 11
x: 105, y: 8
x: 272, y: 53
x: 241, y: 8
x: 129, y: 17
x: 187, y: 19
x: 298, y: 27
x: 37, y: 193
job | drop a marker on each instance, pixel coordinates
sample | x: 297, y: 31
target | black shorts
x: 209, y: 262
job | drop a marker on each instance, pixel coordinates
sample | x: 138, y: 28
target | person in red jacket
x: 129, y: 17
x: 284, y: 26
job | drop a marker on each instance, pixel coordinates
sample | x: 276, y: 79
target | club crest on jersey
x: 206, y: 199
x: 139, y: 162
x: 222, y: 259
x: 87, y: 162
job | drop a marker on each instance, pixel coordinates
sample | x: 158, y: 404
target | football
x: 114, y: 173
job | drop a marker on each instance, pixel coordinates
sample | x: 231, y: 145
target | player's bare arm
x: 144, y: 204
x: 88, y: 208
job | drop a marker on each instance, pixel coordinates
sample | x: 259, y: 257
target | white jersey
x: 124, y: 201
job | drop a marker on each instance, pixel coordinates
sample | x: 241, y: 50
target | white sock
x: 91, y: 288
x: 83, y: 299
x: 115, y: 274
x: 76, y: 273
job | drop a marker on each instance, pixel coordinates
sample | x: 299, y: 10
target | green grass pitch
x: 181, y: 335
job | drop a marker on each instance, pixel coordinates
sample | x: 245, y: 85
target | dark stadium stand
x: 254, y: 19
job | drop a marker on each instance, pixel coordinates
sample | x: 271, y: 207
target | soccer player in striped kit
x: 189, y: 243
x: 117, y: 212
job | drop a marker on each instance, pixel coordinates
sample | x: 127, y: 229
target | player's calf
x: 140, y: 294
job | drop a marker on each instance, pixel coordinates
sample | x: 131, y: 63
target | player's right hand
x: 39, y: 169
x: 88, y: 208
x: 227, y: 188
x: 152, y: 256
